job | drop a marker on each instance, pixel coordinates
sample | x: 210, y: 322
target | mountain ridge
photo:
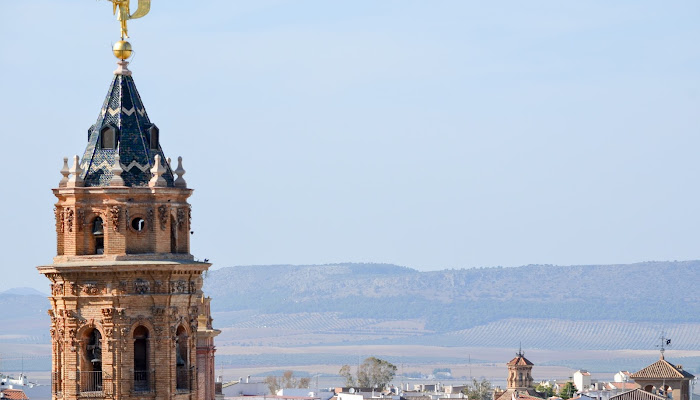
x: 453, y: 299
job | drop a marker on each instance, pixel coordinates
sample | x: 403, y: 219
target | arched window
x: 108, y: 137
x: 98, y: 233
x: 91, y: 362
x: 182, y: 364
x: 141, y: 360
x: 154, y: 133
x: 173, y: 235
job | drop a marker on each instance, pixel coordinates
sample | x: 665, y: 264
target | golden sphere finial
x: 122, y: 50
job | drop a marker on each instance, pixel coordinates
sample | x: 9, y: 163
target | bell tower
x: 128, y: 316
x: 520, y: 372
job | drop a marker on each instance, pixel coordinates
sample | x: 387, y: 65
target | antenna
x: 470, y: 367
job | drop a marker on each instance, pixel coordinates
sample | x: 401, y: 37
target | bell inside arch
x: 97, y: 228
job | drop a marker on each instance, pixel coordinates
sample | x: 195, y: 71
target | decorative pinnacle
x: 117, y: 170
x: 158, y: 170
x: 180, y: 181
x: 75, y: 179
x: 65, y: 172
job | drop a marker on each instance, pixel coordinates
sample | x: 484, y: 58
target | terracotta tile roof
x: 521, y: 394
x: 623, y: 385
x: 662, y: 369
x: 14, y: 394
x: 637, y: 394
x: 520, y: 360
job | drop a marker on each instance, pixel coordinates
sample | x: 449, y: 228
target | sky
x: 430, y: 134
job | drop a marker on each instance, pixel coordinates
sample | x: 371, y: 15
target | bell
x: 97, y: 227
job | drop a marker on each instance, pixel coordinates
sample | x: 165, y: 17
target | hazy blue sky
x: 431, y: 134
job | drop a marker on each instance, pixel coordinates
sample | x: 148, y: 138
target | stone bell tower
x: 519, y: 372
x: 128, y: 316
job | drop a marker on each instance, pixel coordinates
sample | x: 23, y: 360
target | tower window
x: 154, y: 133
x: 98, y: 234
x: 182, y: 369
x: 91, y: 371
x: 108, y: 137
x: 141, y: 364
x: 138, y: 224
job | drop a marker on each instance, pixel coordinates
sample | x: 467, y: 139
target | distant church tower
x: 519, y: 380
x: 128, y: 316
x: 519, y: 372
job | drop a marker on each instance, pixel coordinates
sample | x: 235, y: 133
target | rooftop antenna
x: 520, y: 350
x: 471, y: 376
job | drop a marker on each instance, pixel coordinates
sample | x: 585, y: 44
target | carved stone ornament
x: 57, y: 289
x: 107, y: 313
x: 163, y: 216
x: 91, y: 289
x: 80, y: 220
x: 141, y: 286
x: 74, y: 288
x: 69, y: 219
x: 178, y: 286
x: 189, y: 217
x: 193, y: 287
x: 121, y: 312
x: 123, y: 285
x: 180, y: 219
x: 109, y: 332
x: 149, y: 218
x: 114, y: 213
x: 157, y: 286
x: 159, y: 334
x: 158, y: 311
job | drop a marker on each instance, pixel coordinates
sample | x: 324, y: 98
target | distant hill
x: 577, y: 307
x: 622, y: 303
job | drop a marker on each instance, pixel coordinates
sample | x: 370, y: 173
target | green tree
x: 346, y: 373
x: 546, y: 390
x: 478, y: 390
x: 567, y: 391
x: 287, y: 380
x: 373, y: 372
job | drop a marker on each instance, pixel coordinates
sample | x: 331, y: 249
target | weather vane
x: 120, y: 8
x: 665, y: 342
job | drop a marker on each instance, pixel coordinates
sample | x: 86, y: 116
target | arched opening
x: 108, y: 137
x: 154, y: 134
x: 182, y: 368
x: 666, y: 391
x: 141, y: 364
x: 91, y: 362
x: 98, y: 235
x: 173, y: 235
